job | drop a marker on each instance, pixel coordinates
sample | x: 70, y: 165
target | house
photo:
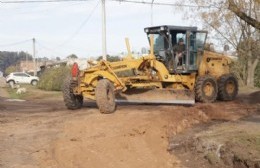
x: 30, y: 66
x: 83, y: 63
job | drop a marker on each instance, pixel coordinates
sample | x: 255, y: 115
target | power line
x: 43, y: 46
x: 47, y: 9
x: 16, y: 43
x: 39, y: 1
x: 163, y: 4
x: 81, y: 26
x: 71, y: 37
x: 127, y: 1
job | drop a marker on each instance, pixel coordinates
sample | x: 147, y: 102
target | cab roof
x: 172, y: 27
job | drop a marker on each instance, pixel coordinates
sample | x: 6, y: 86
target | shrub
x: 52, y: 78
x: 10, y: 69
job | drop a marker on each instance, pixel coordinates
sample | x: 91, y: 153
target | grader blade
x: 156, y: 96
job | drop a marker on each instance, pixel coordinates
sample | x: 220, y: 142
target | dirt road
x: 43, y: 133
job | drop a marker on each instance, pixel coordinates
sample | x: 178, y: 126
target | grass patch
x: 32, y: 93
x: 13, y: 95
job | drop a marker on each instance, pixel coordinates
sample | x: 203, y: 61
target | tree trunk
x: 251, y: 72
x: 244, y: 74
x: 251, y: 21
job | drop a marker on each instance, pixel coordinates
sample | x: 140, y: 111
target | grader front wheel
x: 72, y: 101
x: 105, y: 96
x: 206, y: 89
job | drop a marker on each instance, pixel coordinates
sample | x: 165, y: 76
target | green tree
x: 73, y: 56
x: 110, y: 58
x: 10, y: 69
x: 8, y: 58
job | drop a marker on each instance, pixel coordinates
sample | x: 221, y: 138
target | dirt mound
x: 156, y: 96
x: 226, y: 111
x: 134, y: 136
x: 254, y: 97
x: 232, y: 144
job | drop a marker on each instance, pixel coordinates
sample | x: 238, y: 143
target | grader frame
x: 101, y: 82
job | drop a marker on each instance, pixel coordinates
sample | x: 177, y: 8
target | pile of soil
x: 226, y: 140
x: 230, y: 144
x: 41, y: 132
x: 254, y: 98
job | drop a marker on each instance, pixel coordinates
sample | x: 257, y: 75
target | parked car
x: 21, y: 77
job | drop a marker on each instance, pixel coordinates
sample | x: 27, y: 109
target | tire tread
x: 72, y: 101
x: 199, y: 95
x: 105, y: 106
x: 222, y: 94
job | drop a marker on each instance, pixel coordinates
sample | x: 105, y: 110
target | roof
x: 172, y: 27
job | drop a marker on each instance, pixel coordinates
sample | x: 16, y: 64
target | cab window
x: 196, y: 42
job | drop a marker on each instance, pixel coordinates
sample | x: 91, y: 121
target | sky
x: 65, y: 28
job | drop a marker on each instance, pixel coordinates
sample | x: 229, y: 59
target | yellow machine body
x: 147, y: 72
x: 198, y: 75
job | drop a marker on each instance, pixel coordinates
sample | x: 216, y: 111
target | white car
x: 21, y: 78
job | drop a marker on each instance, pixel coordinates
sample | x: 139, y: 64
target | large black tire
x: 105, y: 96
x: 206, y: 89
x: 228, y: 87
x: 72, y: 101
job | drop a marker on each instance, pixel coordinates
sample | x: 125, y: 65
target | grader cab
x: 176, y: 71
x: 166, y: 38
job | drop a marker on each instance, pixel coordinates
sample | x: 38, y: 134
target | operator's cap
x: 181, y: 40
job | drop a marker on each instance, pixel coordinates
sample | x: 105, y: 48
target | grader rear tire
x: 228, y: 87
x: 105, y: 96
x: 206, y: 89
x: 72, y: 101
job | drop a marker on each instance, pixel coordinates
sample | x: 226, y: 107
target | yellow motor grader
x: 157, y: 77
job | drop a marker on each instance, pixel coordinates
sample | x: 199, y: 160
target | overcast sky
x: 56, y: 26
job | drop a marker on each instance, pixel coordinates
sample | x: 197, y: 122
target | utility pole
x: 152, y: 13
x: 104, y: 38
x: 26, y: 61
x: 34, y: 62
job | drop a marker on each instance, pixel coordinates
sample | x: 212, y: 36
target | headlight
x: 146, y: 30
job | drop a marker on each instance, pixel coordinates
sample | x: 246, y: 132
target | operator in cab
x: 178, y: 51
